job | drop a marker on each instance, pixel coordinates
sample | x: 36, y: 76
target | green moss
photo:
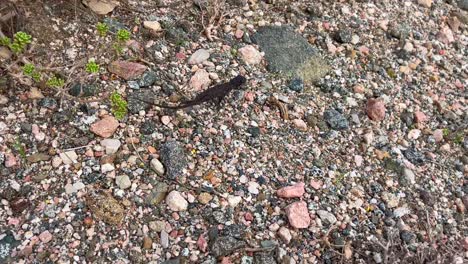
x: 118, y: 106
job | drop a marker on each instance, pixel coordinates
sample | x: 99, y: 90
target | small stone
x: 425, y: 3
x: 147, y: 79
x: 107, y: 167
x: 438, y: 135
x: 10, y: 160
x: 173, y: 156
x: 326, y: 216
x: 253, y: 187
x: 157, y: 226
x: 133, y: 85
x: 414, y: 134
x: 5, y: 53
x: 294, y: 191
x: 176, y: 202
x: 147, y: 243
x: 200, y: 80
x: 233, y: 201
x: 110, y: 145
x: 285, y: 234
x: 335, y: 119
x: 3, y: 99
x: 155, y: 26
x: 409, y: 175
x: 101, y: 7
x: 157, y: 166
x: 123, y: 181
x: 300, y: 124
x: 199, y: 56
x: 165, y: 120
x: 298, y: 215
x: 250, y: 55
x: 375, y: 109
x: 69, y: 157
x: 204, y: 198
x: 105, y: 127
x: 126, y: 69
x: 420, y: 117
x: 296, y: 85
x: 164, y: 239
x: 225, y: 245
x: 45, y: 236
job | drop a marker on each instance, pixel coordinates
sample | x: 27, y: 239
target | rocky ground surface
x: 347, y: 144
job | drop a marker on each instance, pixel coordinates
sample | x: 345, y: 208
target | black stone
x: 173, y: 156
x: 335, y: 119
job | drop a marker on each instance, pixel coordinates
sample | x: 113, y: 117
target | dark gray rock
x: 296, y: 85
x: 343, y: 36
x: 147, y: 79
x: 174, y: 158
x: 335, y: 119
x: 463, y: 4
x: 48, y: 102
x: 114, y: 25
x: 264, y: 258
x: 7, y: 244
x: 147, y: 127
x: 289, y: 53
x: 136, y: 100
x: 224, y: 246
x: 400, y: 31
x: 83, y: 90
x: 414, y: 156
x: 236, y: 231
x: 133, y: 85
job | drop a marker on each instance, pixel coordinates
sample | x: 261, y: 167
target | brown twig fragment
x: 282, y: 107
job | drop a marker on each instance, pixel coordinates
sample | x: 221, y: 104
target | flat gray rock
x: 288, y: 53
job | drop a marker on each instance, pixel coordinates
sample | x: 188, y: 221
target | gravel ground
x: 347, y: 144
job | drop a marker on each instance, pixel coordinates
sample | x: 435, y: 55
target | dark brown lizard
x: 215, y: 93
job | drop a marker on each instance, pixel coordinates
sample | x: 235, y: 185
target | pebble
x: 294, y: 191
x: 200, y: 80
x: 68, y: 157
x: 204, y: 198
x: 155, y: 26
x: 326, y: 216
x: 285, y: 234
x: 250, y: 55
x: 126, y: 69
x: 300, y: 124
x: 253, y: 187
x: 375, y: 109
x: 234, y: 201
x: 335, y: 119
x: 105, y: 127
x: 107, y: 168
x: 123, y: 181
x: 147, y: 242
x: 164, y: 239
x: 157, y: 166
x: 111, y: 145
x: 298, y: 215
x: 45, y: 236
x: 199, y: 56
x: 409, y: 175
x: 176, y: 202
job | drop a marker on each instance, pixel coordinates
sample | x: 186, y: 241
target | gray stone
x: 82, y: 90
x: 335, y: 119
x: 147, y: 79
x: 463, y: 4
x: 407, y: 176
x: 114, y: 25
x: 414, y: 156
x: 158, y: 193
x: 224, y: 246
x: 137, y: 99
x: 48, y: 102
x: 264, y: 258
x: 326, y: 216
x: 133, y: 85
x: 110, y: 145
x: 199, y: 56
x: 289, y: 53
x: 123, y: 181
x: 174, y: 158
x: 164, y: 239
x: 157, y: 166
x: 7, y: 244
x: 296, y: 85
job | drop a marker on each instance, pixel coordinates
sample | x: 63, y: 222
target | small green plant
x: 458, y: 138
x: 119, y: 105
x: 30, y: 70
x: 19, y: 148
x: 55, y: 82
x: 102, y: 29
x: 445, y: 132
x: 19, y: 43
x: 123, y: 35
x: 92, y: 67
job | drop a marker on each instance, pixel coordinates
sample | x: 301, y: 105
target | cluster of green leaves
x: 30, y: 70
x: 55, y: 82
x: 92, y: 67
x: 19, y: 148
x: 121, y: 36
x: 19, y: 43
x: 118, y: 105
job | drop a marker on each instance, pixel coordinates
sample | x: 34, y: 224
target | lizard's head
x: 238, y: 80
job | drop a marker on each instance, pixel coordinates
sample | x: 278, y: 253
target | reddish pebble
x: 294, y: 191
x: 174, y: 234
x: 180, y: 56
x: 45, y: 236
x: 438, y: 135
x: 248, y: 216
x: 298, y: 215
x: 375, y: 109
x: 202, y: 244
x: 105, y: 127
x: 88, y: 221
x: 420, y: 117
x: 316, y: 184
x: 10, y: 160
x: 249, y: 96
x: 239, y: 33
x: 175, y: 216
x: 226, y: 260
